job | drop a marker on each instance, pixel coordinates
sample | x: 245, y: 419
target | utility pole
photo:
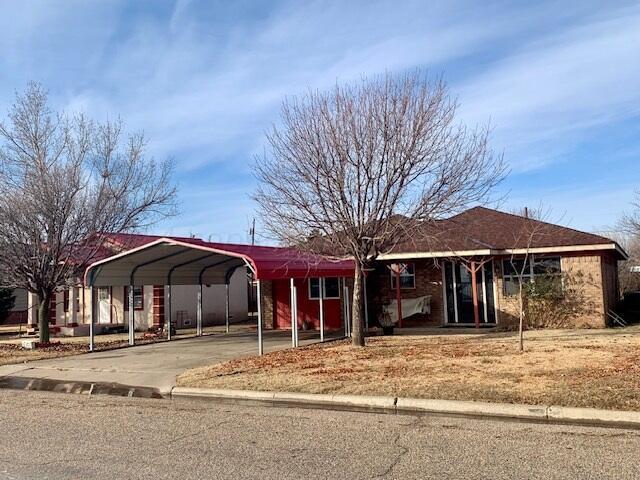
x: 252, y: 231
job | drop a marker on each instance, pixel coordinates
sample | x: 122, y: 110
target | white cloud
x: 556, y: 89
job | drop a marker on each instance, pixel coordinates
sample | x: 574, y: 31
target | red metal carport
x: 170, y: 261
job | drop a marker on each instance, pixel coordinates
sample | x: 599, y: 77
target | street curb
x: 361, y: 403
x: 417, y: 406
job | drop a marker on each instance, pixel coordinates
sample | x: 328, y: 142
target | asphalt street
x: 63, y: 436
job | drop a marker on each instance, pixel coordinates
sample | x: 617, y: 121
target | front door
x: 459, y: 294
x: 104, y: 305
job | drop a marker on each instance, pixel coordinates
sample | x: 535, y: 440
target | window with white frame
x: 331, y: 288
x: 407, y: 275
x: 514, y: 269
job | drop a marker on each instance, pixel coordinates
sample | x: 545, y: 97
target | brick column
x: 158, y: 306
x: 267, y: 304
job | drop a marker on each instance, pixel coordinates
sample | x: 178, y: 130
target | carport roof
x: 192, y: 261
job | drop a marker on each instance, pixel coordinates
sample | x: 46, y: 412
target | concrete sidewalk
x: 153, y: 365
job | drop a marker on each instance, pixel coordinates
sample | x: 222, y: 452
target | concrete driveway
x: 153, y: 365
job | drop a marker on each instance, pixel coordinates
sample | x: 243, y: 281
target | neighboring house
x: 148, y: 301
x: 436, y: 265
x: 18, y: 314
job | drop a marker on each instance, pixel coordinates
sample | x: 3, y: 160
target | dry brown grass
x: 12, y: 352
x: 586, y: 368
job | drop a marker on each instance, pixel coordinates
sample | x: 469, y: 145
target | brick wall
x: 158, y: 306
x: 267, y: 303
x: 428, y: 282
x: 589, y: 274
x: 610, y: 282
x: 587, y: 270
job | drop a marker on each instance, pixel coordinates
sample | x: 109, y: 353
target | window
x: 331, y: 288
x: 138, y: 298
x: 407, y: 276
x: 548, y: 267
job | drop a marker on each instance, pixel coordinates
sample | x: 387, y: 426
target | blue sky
x: 559, y: 81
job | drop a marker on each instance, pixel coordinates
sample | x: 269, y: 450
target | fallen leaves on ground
x: 585, y: 368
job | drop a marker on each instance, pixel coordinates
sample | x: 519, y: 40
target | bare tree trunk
x: 357, y: 320
x: 521, y: 325
x: 43, y: 317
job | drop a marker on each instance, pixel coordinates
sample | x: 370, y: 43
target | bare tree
x: 532, y: 230
x: 627, y: 234
x: 365, y: 165
x: 65, y: 182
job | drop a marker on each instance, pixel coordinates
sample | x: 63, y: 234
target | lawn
x: 585, y: 368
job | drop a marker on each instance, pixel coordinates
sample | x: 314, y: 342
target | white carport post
x: 168, y: 317
x: 180, y: 265
x: 321, y: 287
x: 345, y: 303
x: 199, y: 311
x: 294, y: 314
x: 132, y: 333
x: 93, y: 309
x: 226, y: 307
x: 259, y: 305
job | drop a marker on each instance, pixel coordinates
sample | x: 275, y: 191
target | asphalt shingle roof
x: 484, y: 228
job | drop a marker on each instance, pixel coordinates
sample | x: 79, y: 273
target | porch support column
x: 347, y: 315
x: 168, y: 314
x: 199, y: 312
x: 93, y: 309
x: 259, y: 306
x: 474, y: 288
x: 226, y: 307
x: 321, y: 287
x: 398, y: 296
x: 73, y: 300
x: 294, y: 313
x: 132, y: 320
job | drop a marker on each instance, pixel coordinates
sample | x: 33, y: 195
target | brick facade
x: 267, y: 303
x: 594, y: 274
x: 428, y: 281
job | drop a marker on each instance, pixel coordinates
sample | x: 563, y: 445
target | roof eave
x: 507, y: 251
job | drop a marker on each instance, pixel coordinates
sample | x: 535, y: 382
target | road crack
x: 402, y: 449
